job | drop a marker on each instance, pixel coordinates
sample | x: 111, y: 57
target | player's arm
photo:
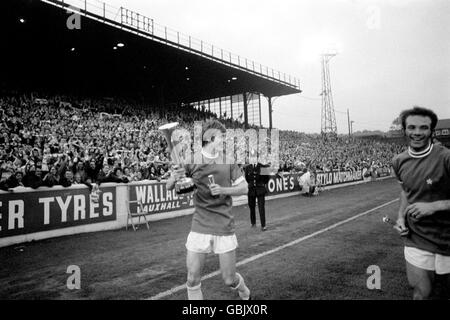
x: 422, y: 209
x: 170, y: 183
x: 239, y: 187
x: 403, y: 205
x: 401, y: 220
x: 174, y: 177
x: 443, y: 205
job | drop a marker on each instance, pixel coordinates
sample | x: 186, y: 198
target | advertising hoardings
x: 53, y: 208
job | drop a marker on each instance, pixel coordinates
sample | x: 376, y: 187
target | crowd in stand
x: 58, y: 140
x: 339, y: 153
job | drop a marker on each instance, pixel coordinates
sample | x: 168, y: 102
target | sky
x: 392, y: 54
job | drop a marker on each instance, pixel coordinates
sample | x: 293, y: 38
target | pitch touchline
x: 263, y: 254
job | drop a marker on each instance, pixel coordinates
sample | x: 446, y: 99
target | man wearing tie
x: 257, y: 190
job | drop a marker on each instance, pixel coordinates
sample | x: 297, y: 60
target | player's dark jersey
x: 212, y: 215
x: 426, y: 178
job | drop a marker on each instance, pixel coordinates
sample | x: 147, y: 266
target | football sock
x: 242, y: 289
x: 195, y: 293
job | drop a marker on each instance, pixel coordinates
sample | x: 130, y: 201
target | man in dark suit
x: 257, y: 190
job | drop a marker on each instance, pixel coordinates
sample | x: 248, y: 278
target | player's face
x: 418, y: 132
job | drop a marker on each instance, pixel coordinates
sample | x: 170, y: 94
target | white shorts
x: 205, y: 243
x: 427, y: 260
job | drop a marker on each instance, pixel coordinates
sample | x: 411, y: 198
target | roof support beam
x: 245, y: 110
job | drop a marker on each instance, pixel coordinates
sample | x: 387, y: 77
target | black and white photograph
x: 241, y: 152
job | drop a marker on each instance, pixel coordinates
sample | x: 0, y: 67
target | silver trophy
x: 184, y: 184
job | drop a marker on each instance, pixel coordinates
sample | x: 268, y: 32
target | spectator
x: 119, y: 176
x: 18, y: 179
x: 152, y: 174
x: 80, y: 170
x: 127, y: 173
x: 51, y: 178
x: 115, y: 175
x: 31, y: 179
x: 77, y: 178
x: 93, y: 170
x: 138, y: 176
x: 67, y: 180
x: 163, y: 175
x: 8, y: 180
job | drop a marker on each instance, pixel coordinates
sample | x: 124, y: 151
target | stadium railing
x: 144, y: 26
